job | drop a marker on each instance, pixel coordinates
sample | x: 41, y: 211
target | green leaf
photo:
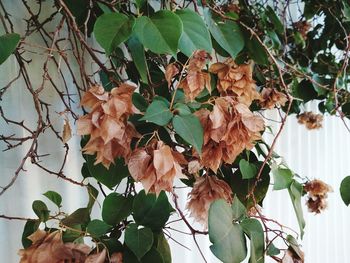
x: 8, y: 44
x: 139, y: 101
x: 255, y: 232
x: 295, y: 193
x: 152, y: 256
x: 138, y: 240
x: 189, y: 128
x: 158, y: 112
x: 255, y: 50
x: 160, y: 33
x: 151, y: 211
x: 116, y: 207
x: 109, y: 177
x: 41, y: 210
x: 242, y: 187
x: 182, y: 109
x: 275, y: 20
x: 248, y: 170
x: 93, y: 193
x: 138, y: 57
x: 113, y: 29
x: 81, y: 216
x: 163, y: 247
x: 345, y: 190
x: 229, y: 244
x: 272, y: 250
x: 195, y: 34
x: 29, y: 228
x: 228, y: 34
x: 282, y: 178
x: 56, y: 198
x: 140, y: 3
x: 238, y: 209
x: 346, y: 11
x: 97, y: 228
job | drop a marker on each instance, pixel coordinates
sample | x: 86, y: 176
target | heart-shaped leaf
x: 8, y: 44
x: 229, y: 244
x: 139, y: 241
x: 195, y: 34
x: 160, y: 33
x: 113, y: 29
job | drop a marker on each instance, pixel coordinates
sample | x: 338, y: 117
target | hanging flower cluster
x: 271, y: 98
x: 228, y: 129
x: 107, y: 123
x: 317, y: 195
x: 206, y: 190
x: 236, y: 80
x: 196, y: 79
x: 156, y: 166
x: 311, y: 120
x: 49, y: 247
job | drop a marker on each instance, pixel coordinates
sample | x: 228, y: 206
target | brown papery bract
x: 228, y: 129
x: 236, y: 80
x: 196, y: 80
x: 206, y: 190
x: 311, y: 120
x: 107, y: 123
x: 317, y: 195
x: 49, y: 248
x: 271, y: 98
x: 156, y: 166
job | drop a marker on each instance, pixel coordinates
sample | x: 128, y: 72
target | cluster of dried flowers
x: 156, y: 166
x: 107, y: 123
x: 271, y: 98
x: 228, y: 129
x: 196, y: 79
x: 317, y: 195
x: 311, y: 120
x: 207, y: 189
x: 48, y: 247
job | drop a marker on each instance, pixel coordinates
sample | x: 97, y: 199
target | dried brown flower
x: 303, y: 28
x: 196, y: 80
x: 207, y: 189
x: 107, y: 123
x: 156, y: 166
x: 311, y: 120
x: 49, y: 248
x: 317, y: 195
x: 271, y: 98
x: 236, y: 80
x: 171, y: 71
x: 228, y: 129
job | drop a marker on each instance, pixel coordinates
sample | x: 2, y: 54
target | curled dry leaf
x: 194, y: 166
x: 97, y: 258
x: 236, y: 80
x: 67, y: 131
x: 317, y: 195
x: 49, y: 247
x: 196, y: 79
x: 156, y: 166
x: 311, y: 120
x: 171, y: 71
x: 206, y: 190
x: 271, y: 98
x: 107, y: 123
x: 228, y: 129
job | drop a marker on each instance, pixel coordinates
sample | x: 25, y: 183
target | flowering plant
x: 180, y: 99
